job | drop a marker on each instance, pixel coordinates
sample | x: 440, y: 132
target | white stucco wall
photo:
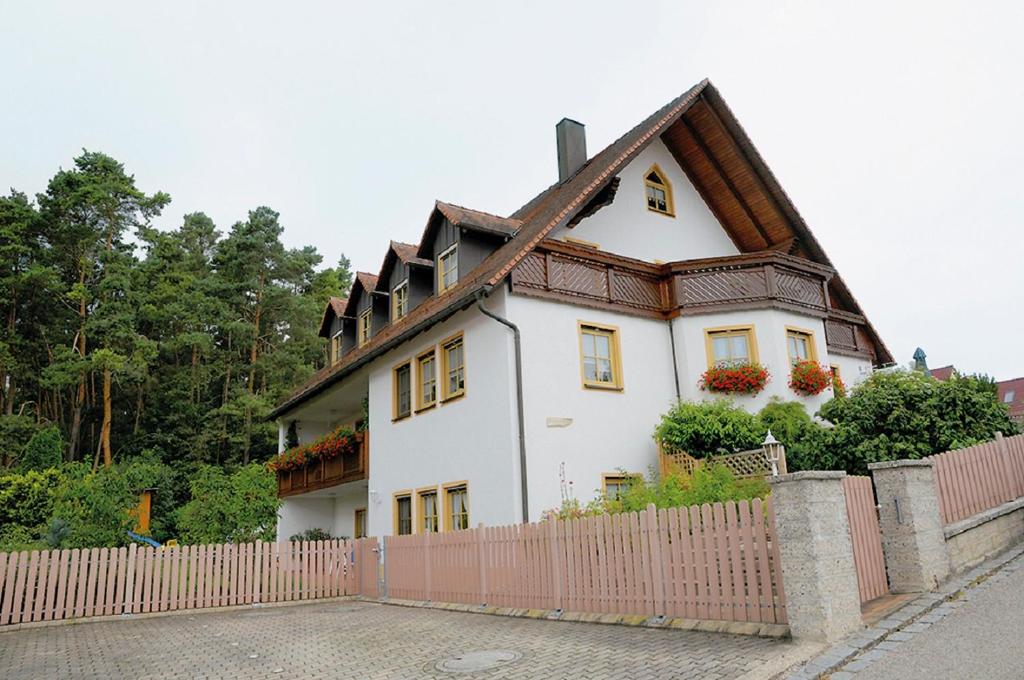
x: 852, y: 370
x: 332, y: 509
x: 609, y: 430
x: 627, y: 227
x: 770, y: 331
x: 472, y: 439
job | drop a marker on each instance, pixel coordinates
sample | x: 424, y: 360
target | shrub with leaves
x: 26, y: 500
x: 44, y: 450
x: 237, y: 508
x: 97, y: 505
x: 314, y: 534
x: 709, y: 428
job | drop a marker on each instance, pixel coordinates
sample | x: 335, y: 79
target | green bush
x: 708, y: 484
x: 44, y: 450
x: 97, y: 506
x: 26, y: 500
x: 709, y: 428
x: 314, y: 534
x: 240, y: 507
x: 15, y: 538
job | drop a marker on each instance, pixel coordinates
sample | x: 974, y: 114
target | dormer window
x: 363, y: 331
x: 659, y: 192
x: 336, y: 348
x: 448, y: 268
x: 400, y: 300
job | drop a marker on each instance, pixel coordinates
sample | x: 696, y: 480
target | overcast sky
x: 895, y: 129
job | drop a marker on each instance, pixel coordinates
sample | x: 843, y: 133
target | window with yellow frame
x: 730, y: 345
x: 403, y: 513
x: 800, y: 345
x: 401, y: 391
x: 363, y: 330
x: 400, y: 301
x: 659, y: 192
x: 448, y: 268
x: 453, y: 368
x: 456, y: 506
x: 430, y: 519
x: 600, y: 359
x: 426, y: 379
x: 616, y: 485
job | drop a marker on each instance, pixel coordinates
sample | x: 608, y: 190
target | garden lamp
x: 773, y: 451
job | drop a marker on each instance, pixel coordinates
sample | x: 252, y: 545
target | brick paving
x: 351, y: 639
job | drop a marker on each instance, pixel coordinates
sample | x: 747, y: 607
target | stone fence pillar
x: 818, y: 574
x: 908, y: 514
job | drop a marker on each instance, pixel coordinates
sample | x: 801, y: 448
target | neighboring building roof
x: 775, y: 220
x: 335, y: 307
x: 1014, y: 389
x: 943, y: 373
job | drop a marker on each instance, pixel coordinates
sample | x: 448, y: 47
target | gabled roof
x: 943, y: 372
x: 707, y: 141
x: 465, y: 218
x: 335, y: 307
x: 365, y: 282
x: 398, y: 252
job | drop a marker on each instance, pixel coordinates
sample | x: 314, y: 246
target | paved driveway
x: 982, y: 638
x: 348, y: 639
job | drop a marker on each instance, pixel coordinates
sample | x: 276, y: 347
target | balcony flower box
x: 810, y: 378
x: 735, y: 378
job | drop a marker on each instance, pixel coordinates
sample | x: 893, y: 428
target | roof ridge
x: 438, y: 202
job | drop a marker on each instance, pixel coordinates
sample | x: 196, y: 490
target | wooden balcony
x: 768, y: 279
x: 321, y: 474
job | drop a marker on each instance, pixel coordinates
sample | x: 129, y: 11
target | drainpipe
x: 519, y: 395
x: 675, y: 362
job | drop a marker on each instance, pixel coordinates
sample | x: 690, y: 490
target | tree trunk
x: 253, y: 355
x: 108, y: 458
x: 139, y: 404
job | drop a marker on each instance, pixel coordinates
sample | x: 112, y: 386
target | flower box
x: 735, y: 379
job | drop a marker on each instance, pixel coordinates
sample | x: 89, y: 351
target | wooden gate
x: 866, y: 537
x: 366, y: 558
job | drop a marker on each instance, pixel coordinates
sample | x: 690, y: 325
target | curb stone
x: 844, y: 659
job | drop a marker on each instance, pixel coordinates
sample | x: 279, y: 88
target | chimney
x: 572, y: 147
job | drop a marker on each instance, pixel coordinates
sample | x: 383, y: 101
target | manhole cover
x: 475, y: 662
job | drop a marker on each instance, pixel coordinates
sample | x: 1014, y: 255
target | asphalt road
x: 983, y: 638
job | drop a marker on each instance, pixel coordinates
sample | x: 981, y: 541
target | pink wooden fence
x: 704, y: 562
x: 980, y: 477
x: 866, y: 537
x: 51, y: 585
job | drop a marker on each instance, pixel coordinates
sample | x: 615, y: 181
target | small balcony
x: 348, y: 466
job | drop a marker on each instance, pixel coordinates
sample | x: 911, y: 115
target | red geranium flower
x: 809, y: 378
x: 736, y: 378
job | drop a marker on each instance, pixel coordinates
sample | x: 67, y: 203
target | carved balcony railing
x: 769, y: 279
x: 320, y: 474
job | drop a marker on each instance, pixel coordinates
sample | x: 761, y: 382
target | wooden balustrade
x: 319, y: 474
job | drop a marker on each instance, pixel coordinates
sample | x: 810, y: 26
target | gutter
x: 480, y: 295
x: 675, y: 361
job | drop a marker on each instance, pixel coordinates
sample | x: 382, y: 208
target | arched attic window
x: 659, y: 192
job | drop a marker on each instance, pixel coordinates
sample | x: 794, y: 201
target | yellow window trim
x: 836, y: 371
x: 613, y: 334
x: 421, y: 403
x: 616, y: 476
x: 395, y: 497
x: 445, y: 488
x: 665, y: 186
x: 730, y: 331
x: 336, y: 341
x: 420, y: 493
x: 394, y: 300
x: 447, y: 396
x: 395, y: 417
x: 812, y: 351
x: 581, y: 242
x: 364, y: 324
x: 453, y: 248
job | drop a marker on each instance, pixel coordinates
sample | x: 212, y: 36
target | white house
x: 499, y: 351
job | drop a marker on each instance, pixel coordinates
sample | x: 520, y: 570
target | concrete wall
x: 331, y: 509
x: 627, y: 227
x: 985, y: 535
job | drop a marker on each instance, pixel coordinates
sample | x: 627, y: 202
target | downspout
x: 675, y: 362
x: 519, y: 395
